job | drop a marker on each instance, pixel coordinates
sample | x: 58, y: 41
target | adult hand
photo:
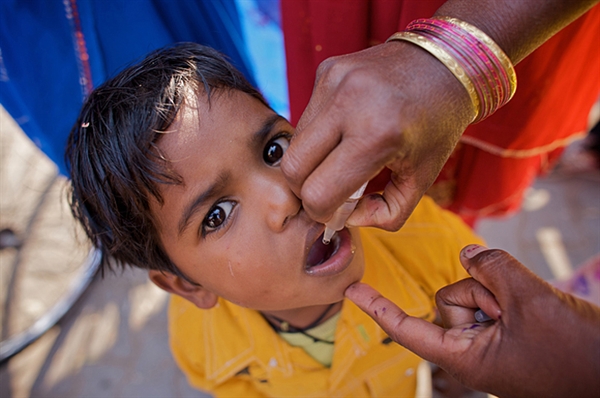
x: 392, y: 105
x: 540, y: 342
x: 396, y: 106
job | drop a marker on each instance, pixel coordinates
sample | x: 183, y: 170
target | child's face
x: 234, y: 226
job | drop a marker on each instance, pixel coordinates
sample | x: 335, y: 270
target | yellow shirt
x: 319, y: 350
x: 231, y: 351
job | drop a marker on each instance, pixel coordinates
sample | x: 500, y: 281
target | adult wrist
x: 478, y: 63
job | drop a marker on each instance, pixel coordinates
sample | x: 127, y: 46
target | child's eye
x: 275, y: 149
x: 217, y: 216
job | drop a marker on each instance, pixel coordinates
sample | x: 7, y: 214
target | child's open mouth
x: 331, y: 259
x: 319, y: 252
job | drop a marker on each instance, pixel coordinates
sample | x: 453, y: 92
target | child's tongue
x: 319, y: 253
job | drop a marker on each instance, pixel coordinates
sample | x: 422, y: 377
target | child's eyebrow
x: 258, y: 137
x: 198, y: 202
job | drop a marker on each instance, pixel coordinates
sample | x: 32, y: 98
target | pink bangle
x: 473, y: 57
x: 477, y: 50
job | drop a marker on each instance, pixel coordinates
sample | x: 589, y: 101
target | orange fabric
x: 557, y: 86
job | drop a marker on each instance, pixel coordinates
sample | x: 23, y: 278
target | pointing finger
x: 423, y: 338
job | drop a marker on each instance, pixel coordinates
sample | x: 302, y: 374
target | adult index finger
x: 458, y: 302
x: 307, y: 150
x: 318, y: 130
x: 419, y: 336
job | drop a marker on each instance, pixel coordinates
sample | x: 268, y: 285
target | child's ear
x: 195, y: 294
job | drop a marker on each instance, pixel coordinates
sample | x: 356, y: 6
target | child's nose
x: 281, y: 203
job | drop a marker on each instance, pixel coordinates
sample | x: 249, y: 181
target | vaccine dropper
x: 340, y: 216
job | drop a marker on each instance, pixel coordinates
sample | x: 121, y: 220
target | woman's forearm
x: 517, y: 26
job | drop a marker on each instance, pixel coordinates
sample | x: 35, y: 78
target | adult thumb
x: 503, y: 275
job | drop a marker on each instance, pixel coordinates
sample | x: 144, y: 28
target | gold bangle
x: 444, y: 57
x: 493, y: 47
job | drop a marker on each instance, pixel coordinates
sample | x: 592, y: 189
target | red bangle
x: 472, y: 56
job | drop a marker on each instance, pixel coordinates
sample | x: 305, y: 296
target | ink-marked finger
x: 423, y: 338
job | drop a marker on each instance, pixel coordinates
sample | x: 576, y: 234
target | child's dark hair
x: 111, y: 153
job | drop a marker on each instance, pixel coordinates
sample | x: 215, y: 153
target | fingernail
x: 472, y: 250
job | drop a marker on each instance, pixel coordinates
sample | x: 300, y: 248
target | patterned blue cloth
x: 50, y: 49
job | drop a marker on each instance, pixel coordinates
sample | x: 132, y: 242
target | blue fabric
x: 260, y: 21
x: 40, y: 75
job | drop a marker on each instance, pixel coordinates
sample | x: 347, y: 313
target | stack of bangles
x: 471, y: 55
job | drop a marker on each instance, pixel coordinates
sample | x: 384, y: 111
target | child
x: 175, y: 169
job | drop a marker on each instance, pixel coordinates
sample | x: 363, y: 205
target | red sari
x: 496, y: 159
